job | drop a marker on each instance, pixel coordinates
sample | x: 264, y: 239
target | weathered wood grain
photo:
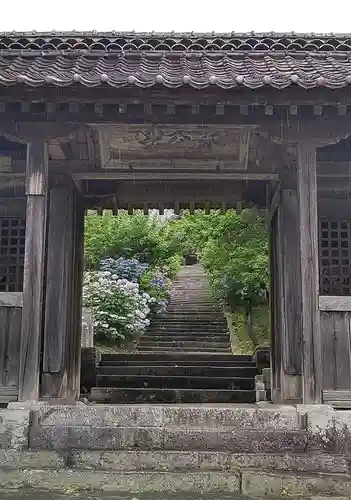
x: 274, y: 308
x: 8, y: 394
x: 291, y: 309
x: 338, y: 399
x: 10, y: 337
x: 11, y: 299
x: 56, y: 299
x: 4, y: 328
x: 337, y: 303
x: 336, y: 350
x: 166, y: 176
x: 58, y: 296
x: 32, y: 311
x: 79, y: 268
x: 307, y: 206
x: 11, y: 376
x: 328, y: 351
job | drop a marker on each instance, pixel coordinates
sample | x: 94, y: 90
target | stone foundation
x: 258, y: 450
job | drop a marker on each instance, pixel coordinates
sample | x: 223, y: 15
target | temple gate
x: 126, y: 121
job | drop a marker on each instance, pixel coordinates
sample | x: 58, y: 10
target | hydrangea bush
x: 155, y: 284
x: 120, y: 309
x: 123, y: 296
x: 129, y: 269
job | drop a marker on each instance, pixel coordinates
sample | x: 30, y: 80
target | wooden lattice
x: 334, y: 257
x: 12, y: 243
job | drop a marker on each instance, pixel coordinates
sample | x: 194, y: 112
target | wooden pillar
x: 58, y: 293
x: 76, y: 317
x: 63, y: 307
x: 308, y: 229
x: 32, y: 312
x: 274, y: 307
x: 290, y: 324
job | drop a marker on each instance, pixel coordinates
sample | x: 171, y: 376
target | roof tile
x: 174, y: 60
x: 198, y: 72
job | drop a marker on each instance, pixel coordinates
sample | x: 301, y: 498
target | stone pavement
x: 35, y: 495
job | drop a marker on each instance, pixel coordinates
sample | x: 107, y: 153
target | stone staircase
x: 193, y: 322
x: 249, y: 450
x: 184, y: 357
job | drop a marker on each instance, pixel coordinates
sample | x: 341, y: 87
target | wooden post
x: 274, y: 307
x: 291, y: 342
x: 308, y: 228
x: 32, y: 312
x: 63, y: 318
x: 58, y: 293
x: 76, y: 338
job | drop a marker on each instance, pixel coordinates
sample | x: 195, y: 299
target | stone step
x: 189, y: 416
x: 175, y: 382
x: 188, y: 344
x: 193, y: 306
x: 187, y: 327
x: 184, y: 371
x: 169, y: 461
x: 198, y: 337
x: 145, y: 438
x: 232, y: 484
x: 182, y: 349
x: 176, y: 357
x: 194, y: 313
x: 156, y: 396
x: 201, y: 332
x: 170, y: 320
x: 187, y: 331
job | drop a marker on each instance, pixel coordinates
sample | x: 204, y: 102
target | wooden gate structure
x: 125, y: 121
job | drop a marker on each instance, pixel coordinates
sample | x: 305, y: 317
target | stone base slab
x: 253, y: 450
x: 248, y: 483
x: 171, y: 461
x: 222, y: 417
x: 68, y: 481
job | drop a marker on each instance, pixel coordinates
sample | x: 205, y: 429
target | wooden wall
x: 10, y: 337
x: 336, y: 349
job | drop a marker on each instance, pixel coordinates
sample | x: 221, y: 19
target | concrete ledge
x: 196, y: 460
x: 186, y: 416
x: 170, y: 461
x: 66, y: 480
x: 249, y: 483
x: 31, y: 459
x: 262, y: 484
x: 153, y: 438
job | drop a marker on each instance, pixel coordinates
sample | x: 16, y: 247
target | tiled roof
x: 173, y: 60
x: 174, y: 41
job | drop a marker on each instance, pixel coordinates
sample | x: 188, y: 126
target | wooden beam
x: 337, y: 398
x: 11, y: 299
x: 308, y: 228
x: 330, y: 303
x: 33, y: 282
x: 169, y: 176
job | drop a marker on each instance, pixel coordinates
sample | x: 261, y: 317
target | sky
x: 178, y: 15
